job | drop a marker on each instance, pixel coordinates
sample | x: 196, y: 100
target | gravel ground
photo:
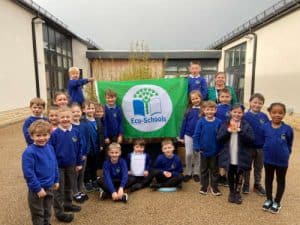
x: 145, y: 207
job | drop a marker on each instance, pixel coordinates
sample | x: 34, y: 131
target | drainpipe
x: 253, y: 62
x: 37, y: 82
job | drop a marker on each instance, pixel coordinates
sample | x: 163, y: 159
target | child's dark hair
x: 277, y: 104
x: 167, y: 141
x: 237, y: 105
x: 110, y: 93
x: 224, y: 90
x: 60, y: 93
x: 87, y: 103
x: 195, y: 63
x: 38, y: 102
x: 140, y: 142
x: 258, y: 96
x: 190, y: 105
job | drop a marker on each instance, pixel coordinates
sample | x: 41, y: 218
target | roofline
x: 47, y: 16
x: 269, y: 15
x: 154, y: 54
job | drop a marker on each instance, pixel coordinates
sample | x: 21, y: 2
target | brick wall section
x: 13, y: 116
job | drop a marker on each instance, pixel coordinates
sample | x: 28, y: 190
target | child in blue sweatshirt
x: 205, y: 142
x: 223, y: 113
x: 138, y: 163
x: 37, y: 107
x: 113, y: 119
x: 78, y: 194
x: 115, y: 174
x: 278, y: 141
x: 75, y: 86
x: 256, y: 119
x: 189, y: 122
x: 195, y: 81
x: 167, y: 168
x: 95, y: 144
x: 40, y: 172
x: 67, y: 145
x: 236, y: 136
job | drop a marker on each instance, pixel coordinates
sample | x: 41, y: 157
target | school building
x: 262, y: 55
x: 36, y: 51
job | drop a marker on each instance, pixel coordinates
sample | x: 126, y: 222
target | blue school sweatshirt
x: 113, y: 120
x: 39, y: 167
x: 67, y: 147
x: 197, y: 83
x: 112, y: 171
x: 85, y: 137
x: 256, y: 121
x: 75, y: 90
x: 189, y: 122
x: 147, y: 163
x: 278, y: 144
x: 27, y: 124
x: 172, y: 164
x: 205, y: 137
x: 223, y: 112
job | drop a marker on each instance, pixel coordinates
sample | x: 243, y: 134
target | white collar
x: 63, y: 129
x: 195, y: 107
x: 111, y: 107
x: 194, y: 76
x: 41, y: 116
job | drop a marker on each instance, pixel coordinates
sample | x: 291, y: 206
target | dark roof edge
x: 271, y: 14
x: 154, y: 54
x: 45, y: 15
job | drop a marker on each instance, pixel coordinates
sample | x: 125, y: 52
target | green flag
x: 151, y: 108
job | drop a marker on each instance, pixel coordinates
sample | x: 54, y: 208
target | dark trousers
x: 116, y: 183
x: 92, y: 165
x: 257, y: 156
x: 173, y: 181
x: 270, y: 170
x: 144, y: 181
x: 79, y: 176
x: 235, y: 178
x: 63, y: 196
x: 40, y: 208
x: 209, y: 171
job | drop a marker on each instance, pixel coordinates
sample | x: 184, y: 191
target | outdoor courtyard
x: 146, y: 207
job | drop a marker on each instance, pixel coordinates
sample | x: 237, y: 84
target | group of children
x: 66, y: 149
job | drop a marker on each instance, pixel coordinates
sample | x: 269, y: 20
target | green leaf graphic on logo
x: 146, y: 94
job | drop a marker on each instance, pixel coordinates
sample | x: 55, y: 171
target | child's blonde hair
x: 166, y: 141
x: 114, y: 145
x: 39, y: 126
x: 209, y: 104
x: 64, y: 109
x: 38, y: 102
x: 73, y: 69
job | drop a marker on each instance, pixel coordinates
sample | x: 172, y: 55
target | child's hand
x: 84, y: 157
x: 91, y: 79
x: 56, y: 186
x: 167, y: 174
x: 120, y: 193
x: 181, y: 140
x: 114, y: 196
x: 101, y: 149
x: 42, y: 193
x: 120, y: 139
x: 107, y: 141
x: 146, y: 173
x: 129, y: 172
x: 78, y: 168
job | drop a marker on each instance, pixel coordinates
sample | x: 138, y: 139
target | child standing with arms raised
x: 195, y: 81
x: 277, y: 148
x: 236, y: 135
x: 189, y: 122
x: 205, y: 142
x: 256, y: 119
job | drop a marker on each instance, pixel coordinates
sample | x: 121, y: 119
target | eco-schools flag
x: 151, y: 108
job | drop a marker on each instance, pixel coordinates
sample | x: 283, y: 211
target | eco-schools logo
x: 147, y: 107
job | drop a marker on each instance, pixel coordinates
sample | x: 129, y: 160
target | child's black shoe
x: 78, y: 198
x: 203, y: 191
x: 84, y: 196
x: 196, y: 178
x: 231, y: 197
x: 259, y: 190
x: 155, y: 186
x: 124, y: 198
x: 72, y: 208
x: 64, y: 217
x: 136, y: 187
x: 275, y: 208
x: 267, y: 205
x: 89, y: 187
x: 238, y: 198
x: 187, y: 178
x: 246, y: 189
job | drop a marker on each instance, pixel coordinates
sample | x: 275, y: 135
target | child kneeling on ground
x: 167, y: 168
x: 115, y: 174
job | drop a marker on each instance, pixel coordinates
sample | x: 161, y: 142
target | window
x: 58, y: 58
x: 235, y: 68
